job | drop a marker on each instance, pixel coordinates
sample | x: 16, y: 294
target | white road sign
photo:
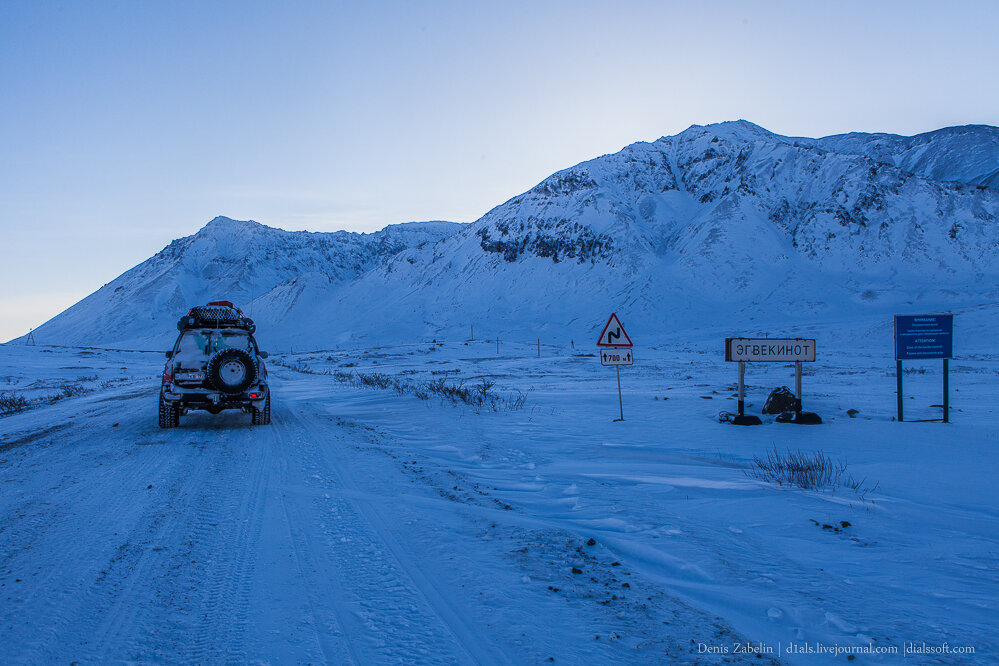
x: 614, y: 334
x: 616, y: 357
x: 755, y: 350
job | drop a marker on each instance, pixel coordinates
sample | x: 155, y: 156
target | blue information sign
x: 924, y: 336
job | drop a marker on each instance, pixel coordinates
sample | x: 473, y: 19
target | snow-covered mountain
x: 723, y: 224
x: 961, y: 154
x: 720, y: 225
x: 232, y: 260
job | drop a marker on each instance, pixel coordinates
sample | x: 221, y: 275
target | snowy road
x: 368, y: 526
x: 311, y: 541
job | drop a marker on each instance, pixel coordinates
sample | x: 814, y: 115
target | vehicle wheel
x: 231, y: 370
x: 169, y: 414
x: 262, y: 416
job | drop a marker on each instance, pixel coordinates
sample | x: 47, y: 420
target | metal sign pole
x: 946, y: 392
x: 898, y: 387
x: 742, y: 387
x: 797, y: 383
x: 620, y: 402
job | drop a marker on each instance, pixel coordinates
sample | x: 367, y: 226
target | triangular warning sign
x: 614, y: 334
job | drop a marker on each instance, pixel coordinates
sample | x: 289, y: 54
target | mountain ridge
x: 719, y: 218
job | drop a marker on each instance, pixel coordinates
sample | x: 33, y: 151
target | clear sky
x: 125, y: 124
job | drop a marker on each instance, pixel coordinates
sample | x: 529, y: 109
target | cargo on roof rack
x: 218, y: 314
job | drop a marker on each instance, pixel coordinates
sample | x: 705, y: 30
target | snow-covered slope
x: 723, y: 224
x: 726, y: 224
x: 227, y: 259
x: 968, y: 154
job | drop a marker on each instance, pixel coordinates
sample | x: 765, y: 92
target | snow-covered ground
x: 43, y: 375
x: 369, y: 526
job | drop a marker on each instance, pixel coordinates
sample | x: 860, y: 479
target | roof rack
x: 217, y: 314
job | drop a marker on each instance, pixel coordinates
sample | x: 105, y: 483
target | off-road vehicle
x: 215, y: 365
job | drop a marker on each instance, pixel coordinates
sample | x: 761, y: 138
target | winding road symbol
x: 614, y: 334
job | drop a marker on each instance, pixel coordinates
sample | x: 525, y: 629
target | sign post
x: 620, y: 401
x: 756, y: 350
x: 615, y: 349
x: 898, y: 387
x: 924, y: 337
x: 797, y: 382
x: 742, y: 388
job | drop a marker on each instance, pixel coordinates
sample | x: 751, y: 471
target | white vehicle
x: 215, y: 365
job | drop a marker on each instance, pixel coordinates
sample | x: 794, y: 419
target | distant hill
x: 227, y: 260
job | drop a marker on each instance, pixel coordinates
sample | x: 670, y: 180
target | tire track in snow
x: 66, y: 533
x: 393, y: 565
x: 133, y: 583
x: 355, y: 589
x: 179, y: 589
x: 333, y: 621
x: 220, y: 633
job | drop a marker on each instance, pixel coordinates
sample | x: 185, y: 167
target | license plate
x: 191, y: 376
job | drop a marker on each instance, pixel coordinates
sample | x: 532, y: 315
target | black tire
x: 262, y: 416
x: 231, y: 370
x: 169, y: 414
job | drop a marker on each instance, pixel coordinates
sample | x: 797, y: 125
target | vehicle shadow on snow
x: 203, y: 421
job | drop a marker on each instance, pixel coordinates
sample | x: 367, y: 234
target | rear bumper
x: 215, y: 401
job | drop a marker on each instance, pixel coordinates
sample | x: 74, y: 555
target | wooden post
x: 471, y: 330
x: 946, y: 391
x: 497, y: 344
x: 539, y: 347
x: 898, y: 387
x: 742, y: 387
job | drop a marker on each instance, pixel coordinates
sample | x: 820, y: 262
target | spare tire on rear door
x: 231, y: 370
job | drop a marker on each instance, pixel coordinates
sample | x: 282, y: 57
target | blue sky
x: 124, y: 125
